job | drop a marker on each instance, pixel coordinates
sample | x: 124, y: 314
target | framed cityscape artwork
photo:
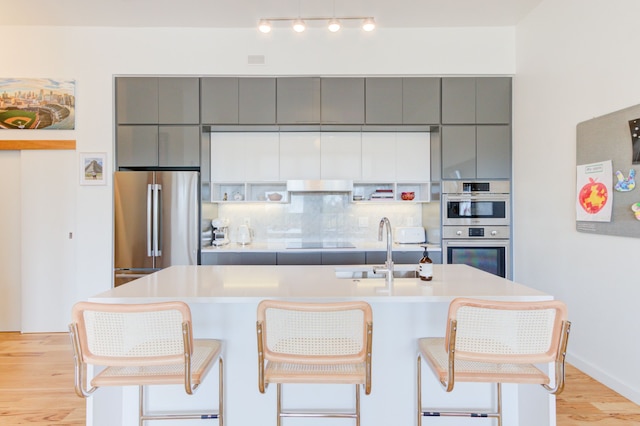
x: 37, y: 103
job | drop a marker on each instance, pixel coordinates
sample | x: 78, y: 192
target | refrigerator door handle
x: 149, y: 220
x: 157, y: 209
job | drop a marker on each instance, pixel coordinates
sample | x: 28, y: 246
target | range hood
x: 320, y: 185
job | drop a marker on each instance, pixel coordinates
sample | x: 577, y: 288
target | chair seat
x: 433, y: 351
x: 282, y: 372
x: 205, y: 351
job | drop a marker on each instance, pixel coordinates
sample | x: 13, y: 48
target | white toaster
x: 409, y: 235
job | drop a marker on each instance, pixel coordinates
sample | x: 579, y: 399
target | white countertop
x: 249, y: 283
x: 272, y: 247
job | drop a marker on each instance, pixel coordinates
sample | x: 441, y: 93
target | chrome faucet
x: 388, y: 264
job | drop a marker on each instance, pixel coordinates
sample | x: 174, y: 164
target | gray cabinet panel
x: 298, y: 100
x: 179, y: 100
x: 342, y: 100
x: 219, y: 100
x: 312, y: 258
x: 458, y: 100
x: 179, y: 146
x: 420, y: 100
x: 458, y: 152
x: 493, y: 100
x: 400, y: 257
x: 137, y: 100
x: 221, y: 258
x: 343, y: 258
x: 137, y: 146
x: 383, y: 100
x: 257, y: 101
x: 493, y: 152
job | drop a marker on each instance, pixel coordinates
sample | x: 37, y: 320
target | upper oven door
x: 461, y: 209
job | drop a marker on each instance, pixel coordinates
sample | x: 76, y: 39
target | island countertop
x: 223, y: 301
x: 249, y: 283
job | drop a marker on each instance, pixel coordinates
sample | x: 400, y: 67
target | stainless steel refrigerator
x: 156, y: 222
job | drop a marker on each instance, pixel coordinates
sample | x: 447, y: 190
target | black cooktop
x: 319, y: 245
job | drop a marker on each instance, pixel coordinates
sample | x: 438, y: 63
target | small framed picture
x: 93, y: 168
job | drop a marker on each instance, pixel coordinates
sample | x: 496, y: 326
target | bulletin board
x: 608, y: 164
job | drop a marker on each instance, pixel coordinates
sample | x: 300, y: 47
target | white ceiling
x: 246, y: 13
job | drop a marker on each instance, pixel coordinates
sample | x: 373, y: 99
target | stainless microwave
x: 477, y: 203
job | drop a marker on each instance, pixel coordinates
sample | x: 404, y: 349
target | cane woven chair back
x: 506, y: 332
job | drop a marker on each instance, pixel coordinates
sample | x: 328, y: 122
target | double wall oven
x: 476, y: 225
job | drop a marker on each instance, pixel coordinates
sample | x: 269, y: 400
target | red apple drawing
x: 593, y: 196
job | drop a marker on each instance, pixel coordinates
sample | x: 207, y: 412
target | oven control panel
x: 479, y: 232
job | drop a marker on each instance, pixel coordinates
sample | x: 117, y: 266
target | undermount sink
x: 366, y: 272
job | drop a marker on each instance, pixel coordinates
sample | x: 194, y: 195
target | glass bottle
x: 426, y: 267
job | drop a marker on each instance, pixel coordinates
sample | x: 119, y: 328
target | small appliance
x: 409, y: 235
x: 220, y: 232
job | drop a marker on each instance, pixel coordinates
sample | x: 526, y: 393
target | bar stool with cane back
x: 496, y: 342
x: 314, y: 343
x: 142, y: 344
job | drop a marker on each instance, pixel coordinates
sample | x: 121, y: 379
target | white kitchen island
x: 223, y: 300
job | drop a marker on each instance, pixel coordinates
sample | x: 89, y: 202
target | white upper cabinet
x: 340, y: 155
x: 299, y: 155
x: 413, y: 157
x: 244, y: 156
x: 391, y: 156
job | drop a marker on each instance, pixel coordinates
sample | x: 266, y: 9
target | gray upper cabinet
x: 298, y: 100
x: 257, y: 101
x: 179, y: 100
x: 493, y: 148
x: 470, y: 100
x: 383, y: 100
x: 409, y: 100
x: 158, y: 146
x: 476, y: 152
x: 342, y: 100
x: 179, y: 146
x: 137, y: 100
x: 232, y: 100
x: 157, y: 100
x: 219, y: 100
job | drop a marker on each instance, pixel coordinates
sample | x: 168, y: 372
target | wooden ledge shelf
x: 36, y: 144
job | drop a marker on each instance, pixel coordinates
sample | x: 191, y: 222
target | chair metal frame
x: 101, y: 336
x: 314, y: 356
x: 476, y: 358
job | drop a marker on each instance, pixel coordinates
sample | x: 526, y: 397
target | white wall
x: 92, y: 56
x: 576, y: 61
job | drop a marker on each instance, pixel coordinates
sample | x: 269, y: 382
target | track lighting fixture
x: 334, y: 23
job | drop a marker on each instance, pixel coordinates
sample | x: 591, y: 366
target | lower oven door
x: 490, y: 255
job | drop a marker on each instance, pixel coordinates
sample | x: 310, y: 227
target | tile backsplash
x: 315, y: 217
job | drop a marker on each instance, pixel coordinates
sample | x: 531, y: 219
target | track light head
x: 368, y: 24
x: 264, y: 26
x: 299, y: 26
x: 334, y: 25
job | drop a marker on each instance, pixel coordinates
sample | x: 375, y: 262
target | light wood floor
x: 36, y: 388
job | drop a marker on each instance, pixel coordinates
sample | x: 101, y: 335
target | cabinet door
x: 261, y: 156
x: 342, y: 100
x: 340, y: 155
x: 493, y: 152
x: 458, y: 100
x: 343, y: 258
x: 137, y: 146
x: 413, y: 157
x: 458, y: 152
x: 219, y: 100
x: 311, y: 258
x: 227, y: 151
x: 257, y: 101
x: 298, y: 100
x: 383, y: 100
x: 179, y: 100
x: 493, y: 100
x: 420, y: 100
x: 137, y: 100
x: 299, y: 155
x: 179, y: 146
x: 378, y: 156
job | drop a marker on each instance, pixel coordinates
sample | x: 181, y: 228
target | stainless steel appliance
x: 476, y: 225
x: 157, y: 222
x: 475, y: 203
